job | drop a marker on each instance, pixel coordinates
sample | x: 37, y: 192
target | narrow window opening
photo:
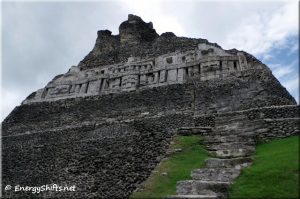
x: 158, y: 78
x: 234, y: 65
x: 166, y: 75
x: 101, y: 84
x: 87, y: 87
x: 139, y: 79
x: 186, y: 72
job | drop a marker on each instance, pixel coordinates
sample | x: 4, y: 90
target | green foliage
x: 274, y: 173
x: 178, y: 166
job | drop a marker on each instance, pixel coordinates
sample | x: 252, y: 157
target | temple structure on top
x: 134, y: 71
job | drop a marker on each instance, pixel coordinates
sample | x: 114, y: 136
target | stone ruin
x: 105, y: 124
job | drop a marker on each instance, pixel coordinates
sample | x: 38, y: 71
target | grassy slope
x: 178, y: 167
x: 274, y: 173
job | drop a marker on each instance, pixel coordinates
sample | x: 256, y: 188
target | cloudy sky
x: 41, y: 39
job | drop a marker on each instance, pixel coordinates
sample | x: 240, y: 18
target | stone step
x: 238, y: 132
x: 236, y: 163
x: 199, y: 187
x: 232, y: 153
x: 192, y: 197
x: 230, y: 145
x: 215, y: 174
x: 228, y: 138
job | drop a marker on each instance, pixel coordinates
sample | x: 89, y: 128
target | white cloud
x: 292, y: 84
x: 294, y: 48
x: 262, y: 31
x: 280, y: 71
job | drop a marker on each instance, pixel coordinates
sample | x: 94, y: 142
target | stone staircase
x: 231, y: 144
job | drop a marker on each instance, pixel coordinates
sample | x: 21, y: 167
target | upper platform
x: 138, y: 58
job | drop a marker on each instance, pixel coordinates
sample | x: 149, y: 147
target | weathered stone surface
x: 107, y: 160
x: 215, y: 174
x: 199, y: 187
x: 135, y: 31
x: 228, y: 163
x: 232, y: 153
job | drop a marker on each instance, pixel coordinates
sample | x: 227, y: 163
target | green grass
x: 274, y: 173
x: 178, y: 166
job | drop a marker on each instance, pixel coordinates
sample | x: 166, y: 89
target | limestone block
x: 198, y: 187
x: 77, y: 88
x: 162, y: 76
x: 72, y: 90
x: 115, y: 83
x: 242, y: 61
x: 196, y: 69
x: 215, y: 174
x: 227, y: 163
x: 172, y: 75
x: 129, y: 82
x: 61, y: 89
x: 94, y: 87
x: 180, y: 75
x: 155, y: 77
x: 83, y: 88
x: 142, y: 79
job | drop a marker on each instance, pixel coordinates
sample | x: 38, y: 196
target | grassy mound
x: 274, y: 173
x: 177, y: 166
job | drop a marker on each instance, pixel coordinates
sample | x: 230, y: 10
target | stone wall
x: 107, y: 160
x: 270, y: 122
x: 74, y: 111
x: 278, y: 128
x: 248, y: 89
x: 277, y: 122
x: 203, y: 97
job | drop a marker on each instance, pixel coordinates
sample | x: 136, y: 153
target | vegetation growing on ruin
x: 188, y: 154
x: 274, y: 173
